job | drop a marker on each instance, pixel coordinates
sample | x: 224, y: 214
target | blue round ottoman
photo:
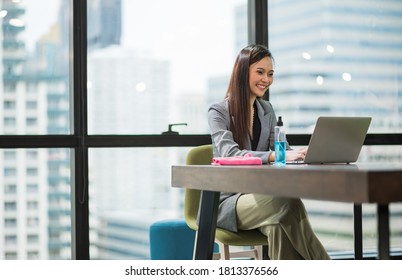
x: 171, y: 240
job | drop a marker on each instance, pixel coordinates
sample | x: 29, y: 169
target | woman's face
x: 261, y: 76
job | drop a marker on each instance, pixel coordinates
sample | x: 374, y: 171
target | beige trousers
x: 285, y: 223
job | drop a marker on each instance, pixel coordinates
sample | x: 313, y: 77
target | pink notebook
x: 247, y: 159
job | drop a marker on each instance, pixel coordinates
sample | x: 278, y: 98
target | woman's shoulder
x: 220, y: 106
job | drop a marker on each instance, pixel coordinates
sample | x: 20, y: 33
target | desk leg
x: 358, y: 230
x: 383, y: 231
x: 207, y: 225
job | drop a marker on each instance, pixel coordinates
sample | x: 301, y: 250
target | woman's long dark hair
x: 238, y: 93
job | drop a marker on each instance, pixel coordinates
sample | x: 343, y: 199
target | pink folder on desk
x: 247, y: 159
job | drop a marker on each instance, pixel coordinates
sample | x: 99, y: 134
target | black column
x: 79, y: 191
x: 258, y: 22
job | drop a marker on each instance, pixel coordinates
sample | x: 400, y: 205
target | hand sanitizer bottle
x: 280, y: 143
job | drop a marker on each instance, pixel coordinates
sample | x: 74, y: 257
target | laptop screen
x: 337, y: 139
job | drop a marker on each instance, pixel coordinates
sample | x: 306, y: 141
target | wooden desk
x: 361, y: 183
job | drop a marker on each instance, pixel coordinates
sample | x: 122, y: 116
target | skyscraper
x: 23, y: 188
x: 104, y: 23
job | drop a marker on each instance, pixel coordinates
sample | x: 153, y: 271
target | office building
x: 24, y: 219
x: 104, y: 23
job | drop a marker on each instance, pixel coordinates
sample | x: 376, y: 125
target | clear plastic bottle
x: 280, y: 143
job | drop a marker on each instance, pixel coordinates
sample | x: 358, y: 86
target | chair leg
x: 256, y: 252
x: 259, y: 252
x: 224, y: 251
x: 216, y: 256
x: 265, y: 255
x: 195, y: 243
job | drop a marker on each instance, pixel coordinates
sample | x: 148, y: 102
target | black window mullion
x: 79, y: 192
x: 257, y: 21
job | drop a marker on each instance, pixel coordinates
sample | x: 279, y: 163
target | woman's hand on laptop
x: 296, y: 154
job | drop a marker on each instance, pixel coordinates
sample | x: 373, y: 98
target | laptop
x: 336, y: 140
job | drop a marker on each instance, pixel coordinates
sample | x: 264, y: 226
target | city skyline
x: 178, y: 40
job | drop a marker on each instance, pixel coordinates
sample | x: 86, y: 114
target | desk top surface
x: 358, y: 183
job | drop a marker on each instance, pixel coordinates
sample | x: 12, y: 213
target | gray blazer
x: 225, y: 146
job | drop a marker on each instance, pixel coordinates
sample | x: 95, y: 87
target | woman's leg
x: 285, y: 223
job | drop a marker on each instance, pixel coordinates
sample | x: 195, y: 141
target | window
x: 10, y: 87
x: 10, y: 189
x: 32, y: 154
x: 339, y: 58
x: 155, y: 73
x: 10, y: 155
x: 32, y: 188
x: 31, y: 121
x: 32, y: 171
x: 8, y: 105
x: 10, y: 121
x: 11, y: 255
x: 10, y: 240
x: 31, y: 105
x: 32, y: 205
x: 32, y: 238
x: 139, y: 82
x: 10, y: 172
x: 10, y: 206
x: 32, y: 222
x: 10, y: 222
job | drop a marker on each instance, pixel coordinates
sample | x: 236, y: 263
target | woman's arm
x: 222, y: 137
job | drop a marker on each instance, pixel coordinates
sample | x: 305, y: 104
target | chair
x: 202, y: 155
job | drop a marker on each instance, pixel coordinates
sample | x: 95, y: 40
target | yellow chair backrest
x: 201, y: 155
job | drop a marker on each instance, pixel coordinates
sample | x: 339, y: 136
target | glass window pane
x: 35, y: 67
x: 145, y: 73
x: 129, y: 190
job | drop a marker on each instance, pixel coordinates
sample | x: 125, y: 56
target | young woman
x: 244, y: 123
